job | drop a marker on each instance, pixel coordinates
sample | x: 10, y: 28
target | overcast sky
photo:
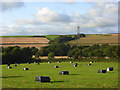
x: 41, y: 18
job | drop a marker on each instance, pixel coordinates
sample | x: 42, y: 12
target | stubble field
x: 111, y: 39
x: 37, y: 42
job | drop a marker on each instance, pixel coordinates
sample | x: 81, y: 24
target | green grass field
x: 51, y: 37
x: 83, y: 76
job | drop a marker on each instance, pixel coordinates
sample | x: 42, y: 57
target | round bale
x: 101, y: 71
x: 25, y: 68
x: 42, y: 79
x: 64, y: 73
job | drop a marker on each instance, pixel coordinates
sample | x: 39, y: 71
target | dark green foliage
x: 75, y: 56
x: 66, y: 38
x: 51, y: 55
x: 34, y: 50
x: 17, y: 54
x: 94, y: 51
x: 58, y: 49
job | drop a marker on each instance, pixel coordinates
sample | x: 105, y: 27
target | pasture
x: 83, y: 76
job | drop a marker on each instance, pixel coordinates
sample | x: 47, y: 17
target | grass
x: 83, y: 76
x: 51, y: 37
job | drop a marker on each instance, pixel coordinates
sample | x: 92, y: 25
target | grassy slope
x: 96, y: 39
x: 51, y: 37
x: 83, y: 76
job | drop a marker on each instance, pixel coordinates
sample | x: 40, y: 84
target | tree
x: 43, y: 52
x: 98, y: 53
x: 70, y: 53
x: 37, y: 54
x: 75, y: 56
x: 80, y: 53
x: 16, y: 54
x: 34, y: 50
x: 51, y: 55
x: 26, y: 54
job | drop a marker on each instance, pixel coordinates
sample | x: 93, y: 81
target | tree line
x: 16, y: 54
x: 77, y: 52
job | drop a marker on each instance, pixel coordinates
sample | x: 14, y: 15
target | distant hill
x: 43, y: 40
x: 91, y: 39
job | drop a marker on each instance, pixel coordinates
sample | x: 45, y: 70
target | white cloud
x: 101, y: 15
x: 12, y: 30
x: 11, y: 5
x: 47, y: 15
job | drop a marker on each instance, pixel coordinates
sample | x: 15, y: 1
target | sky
x: 56, y: 18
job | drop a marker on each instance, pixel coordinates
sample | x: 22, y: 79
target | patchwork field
x: 38, y: 42
x: 111, y: 39
x: 83, y: 76
x: 24, y: 41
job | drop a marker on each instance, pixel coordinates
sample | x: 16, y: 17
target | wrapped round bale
x: 42, y: 79
x: 25, y: 68
x: 9, y: 67
x: 101, y: 71
x: 55, y: 66
x: 28, y: 62
x: 8, y: 64
x: 64, y: 73
x: 49, y: 62
x: 58, y: 62
x: 110, y: 69
x: 74, y: 65
x: 37, y: 63
x: 15, y: 65
x: 89, y: 64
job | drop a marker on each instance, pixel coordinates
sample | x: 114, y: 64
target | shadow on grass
x: 74, y: 74
x: 57, y: 81
x: 11, y: 76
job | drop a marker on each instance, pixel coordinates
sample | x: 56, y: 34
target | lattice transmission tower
x: 78, y: 34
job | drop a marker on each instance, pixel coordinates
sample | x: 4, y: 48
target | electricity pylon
x: 78, y: 34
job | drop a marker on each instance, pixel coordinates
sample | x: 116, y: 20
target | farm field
x: 40, y: 41
x: 23, y: 40
x: 37, y: 42
x: 50, y: 37
x: 111, y: 39
x: 26, y: 45
x: 83, y: 76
